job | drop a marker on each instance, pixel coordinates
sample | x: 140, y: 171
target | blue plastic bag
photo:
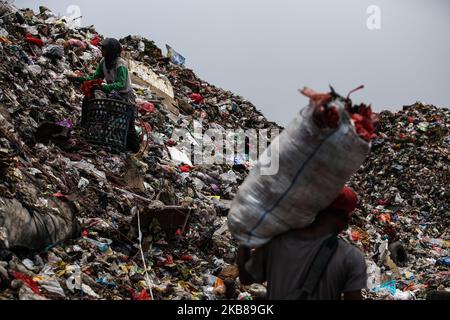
x: 175, y: 57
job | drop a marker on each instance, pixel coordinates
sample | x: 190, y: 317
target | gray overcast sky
x: 265, y: 50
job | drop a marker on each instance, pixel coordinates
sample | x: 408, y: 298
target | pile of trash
x: 77, y: 222
x: 403, y: 219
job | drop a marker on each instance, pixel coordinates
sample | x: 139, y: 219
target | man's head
x: 337, y: 215
x: 111, y: 50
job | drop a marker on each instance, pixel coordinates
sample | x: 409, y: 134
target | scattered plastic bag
x: 175, y: 57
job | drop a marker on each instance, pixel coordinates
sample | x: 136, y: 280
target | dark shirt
x: 284, y: 261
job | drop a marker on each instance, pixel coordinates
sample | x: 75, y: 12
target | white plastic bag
x: 314, y: 165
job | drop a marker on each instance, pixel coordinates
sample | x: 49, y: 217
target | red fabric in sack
x: 87, y: 87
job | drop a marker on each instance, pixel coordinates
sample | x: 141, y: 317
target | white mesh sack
x: 314, y: 165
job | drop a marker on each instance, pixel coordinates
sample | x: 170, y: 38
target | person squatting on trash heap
x: 113, y: 69
x: 286, y: 262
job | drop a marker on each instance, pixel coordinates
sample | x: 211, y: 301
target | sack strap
x: 317, y: 268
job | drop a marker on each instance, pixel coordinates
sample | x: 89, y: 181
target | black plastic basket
x: 105, y: 122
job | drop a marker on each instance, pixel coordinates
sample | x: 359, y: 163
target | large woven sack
x: 314, y: 165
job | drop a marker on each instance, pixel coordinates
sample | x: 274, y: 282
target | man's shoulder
x: 121, y: 62
x: 349, y: 251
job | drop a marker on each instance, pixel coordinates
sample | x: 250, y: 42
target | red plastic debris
x: 77, y: 43
x: 87, y: 87
x: 385, y: 217
x: 197, y: 98
x: 147, y: 127
x: 27, y: 280
x: 225, y: 114
x: 171, y: 143
x: 79, y: 73
x: 187, y: 258
x: 390, y: 232
x: 179, y: 232
x: 58, y: 195
x: 316, y: 99
x: 323, y: 117
x: 185, y: 168
x: 143, y: 295
x: 93, y: 222
x: 356, y: 235
x: 365, y: 123
x: 33, y: 40
x: 96, y: 40
x: 169, y: 260
x: 146, y: 107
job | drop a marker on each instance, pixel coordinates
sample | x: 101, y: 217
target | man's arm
x: 121, y: 81
x: 356, y: 275
x: 354, y: 295
x: 98, y: 74
x: 242, y: 258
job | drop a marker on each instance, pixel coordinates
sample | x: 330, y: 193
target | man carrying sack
x: 310, y: 263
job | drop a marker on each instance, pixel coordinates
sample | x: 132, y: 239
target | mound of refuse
x: 78, y: 222
x: 404, y: 216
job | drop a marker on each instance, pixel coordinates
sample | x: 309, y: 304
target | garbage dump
x: 403, y: 220
x: 79, y: 222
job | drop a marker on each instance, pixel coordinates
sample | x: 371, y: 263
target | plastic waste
x: 77, y: 43
x: 88, y: 167
x: 145, y: 107
x: 83, y: 183
x: 52, y: 286
x: 141, y: 46
x: 229, y: 177
x: 96, y: 40
x: 34, y: 69
x: 33, y: 40
x: 179, y: 157
x: 104, y: 281
x: 54, y: 52
x: 389, y: 287
x: 103, y: 247
x: 3, y: 33
x: 196, y: 98
x: 373, y: 275
x: 443, y: 262
x: 404, y: 295
x: 175, y: 57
